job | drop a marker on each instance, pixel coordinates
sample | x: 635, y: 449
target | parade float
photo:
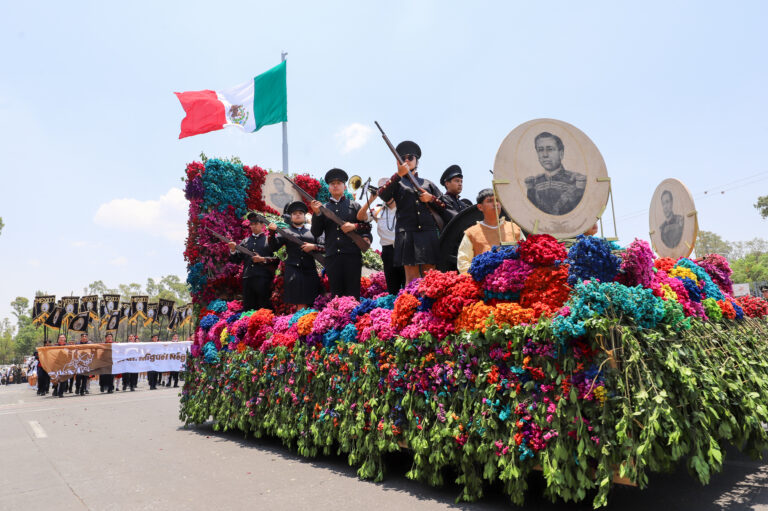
x: 585, y: 362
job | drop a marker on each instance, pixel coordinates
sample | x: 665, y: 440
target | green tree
x: 750, y: 268
x: 708, y: 242
x: 761, y: 206
x: 7, y: 351
x: 1, y: 224
x: 27, y: 335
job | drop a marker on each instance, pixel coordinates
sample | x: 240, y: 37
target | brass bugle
x: 355, y: 182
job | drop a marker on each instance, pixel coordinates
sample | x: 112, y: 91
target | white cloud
x: 119, y: 261
x: 353, y: 137
x: 165, y: 217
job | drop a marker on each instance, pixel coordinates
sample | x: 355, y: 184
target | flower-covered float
x: 590, y: 364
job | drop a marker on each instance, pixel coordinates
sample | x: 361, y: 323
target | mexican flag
x: 249, y: 106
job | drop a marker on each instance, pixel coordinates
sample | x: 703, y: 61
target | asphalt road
x: 130, y: 451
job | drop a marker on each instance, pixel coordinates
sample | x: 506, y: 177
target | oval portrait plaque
x: 551, y: 178
x: 277, y: 192
x: 672, y: 219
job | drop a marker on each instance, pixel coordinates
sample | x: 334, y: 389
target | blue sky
x: 89, y: 123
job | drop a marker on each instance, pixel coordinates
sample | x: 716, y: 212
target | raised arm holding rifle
x: 419, y: 207
x: 345, y: 237
x: 259, y: 268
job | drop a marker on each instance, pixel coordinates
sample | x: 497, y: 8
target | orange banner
x: 63, y: 362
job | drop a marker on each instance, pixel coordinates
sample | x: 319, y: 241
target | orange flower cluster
x: 473, y: 317
x: 405, y: 307
x: 664, y: 263
x: 727, y: 308
x: 512, y: 314
x: 546, y: 290
x: 260, y: 318
x: 305, y: 323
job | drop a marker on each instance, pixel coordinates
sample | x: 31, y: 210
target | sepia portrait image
x: 672, y: 219
x: 672, y: 228
x: 551, y: 178
x: 277, y: 192
x: 556, y: 190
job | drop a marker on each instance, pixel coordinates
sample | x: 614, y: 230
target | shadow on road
x: 742, y: 485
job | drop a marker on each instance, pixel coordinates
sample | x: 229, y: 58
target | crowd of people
x: 108, y: 383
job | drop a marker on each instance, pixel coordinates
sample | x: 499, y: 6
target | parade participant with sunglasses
x: 417, y: 247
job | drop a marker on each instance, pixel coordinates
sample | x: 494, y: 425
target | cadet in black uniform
x: 301, y: 284
x: 258, y: 271
x: 343, y: 259
x: 43, y: 380
x: 81, y: 380
x: 453, y: 181
x: 416, y: 240
x: 107, y: 381
x: 153, y: 376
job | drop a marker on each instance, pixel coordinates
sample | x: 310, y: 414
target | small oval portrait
x: 110, y: 306
x: 139, y: 306
x: 89, y: 306
x: 112, y: 323
x: 164, y: 310
x: 551, y: 178
x: 672, y: 221
x: 151, y: 313
x: 70, y: 308
x: 127, y: 310
x: 78, y: 324
x: 45, y: 306
x: 278, y: 192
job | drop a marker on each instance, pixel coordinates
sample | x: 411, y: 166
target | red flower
x: 542, y: 250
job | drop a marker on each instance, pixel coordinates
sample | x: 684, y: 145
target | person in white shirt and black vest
x: 343, y: 259
x: 301, y: 284
x: 259, y: 270
x: 417, y: 246
x: 385, y: 216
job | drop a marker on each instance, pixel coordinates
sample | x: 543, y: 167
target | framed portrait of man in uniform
x: 551, y: 178
x: 672, y: 221
x: 277, y: 192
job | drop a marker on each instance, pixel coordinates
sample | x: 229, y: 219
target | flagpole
x: 285, y: 131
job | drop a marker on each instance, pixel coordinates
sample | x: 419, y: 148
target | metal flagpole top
x: 285, y: 130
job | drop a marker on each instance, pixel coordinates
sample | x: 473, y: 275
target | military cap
x: 256, y: 218
x: 296, y: 206
x: 408, y: 147
x: 336, y: 175
x: 450, y: 173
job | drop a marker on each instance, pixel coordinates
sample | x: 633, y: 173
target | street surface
x: 130, y: 451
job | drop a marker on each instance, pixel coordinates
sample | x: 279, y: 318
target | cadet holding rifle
x: 301, y: 284
x: 343, y: 243
x: 259, y: 268
x: 419, y: 205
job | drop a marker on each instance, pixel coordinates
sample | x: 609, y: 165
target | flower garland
x: 592, y: 258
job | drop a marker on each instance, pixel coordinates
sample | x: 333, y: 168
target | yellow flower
x: 683, y: 272
x: 669, y: 294
x: 224, y: 336
x: 600, y: 394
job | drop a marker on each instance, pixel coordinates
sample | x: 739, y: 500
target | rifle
x: 298, y: 241
x: 240, y: 248
x: 362, y: 243
x: 435, y: 214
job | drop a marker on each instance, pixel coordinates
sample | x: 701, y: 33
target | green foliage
x: 7, y: 348
x: 673, y: 396
x: 751, y: 268
x: 1, y: 225
x: 708, y: 242
x: 761, y: 206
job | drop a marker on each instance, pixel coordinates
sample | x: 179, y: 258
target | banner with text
x: 63, y: 362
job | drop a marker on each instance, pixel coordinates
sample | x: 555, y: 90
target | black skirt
x: 300, y: 285
x: 417, y: 247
